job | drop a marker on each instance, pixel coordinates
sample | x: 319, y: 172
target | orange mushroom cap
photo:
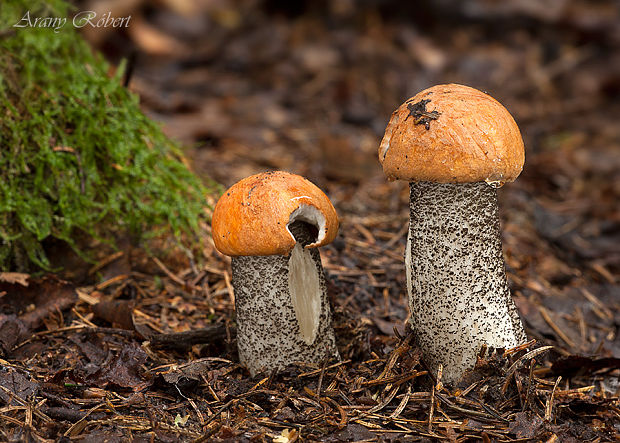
x: 252, y: 217
x: 452, y: 134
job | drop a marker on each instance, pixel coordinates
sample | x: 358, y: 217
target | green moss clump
x: 78, y: 158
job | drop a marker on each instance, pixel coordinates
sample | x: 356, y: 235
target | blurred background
x: 309, y: 86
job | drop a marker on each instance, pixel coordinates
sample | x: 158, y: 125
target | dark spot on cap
x: 420, y: 115
x: 250, y: 191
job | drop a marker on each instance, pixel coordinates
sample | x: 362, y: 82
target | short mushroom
x: 455, y: 145
x: 271, y: 224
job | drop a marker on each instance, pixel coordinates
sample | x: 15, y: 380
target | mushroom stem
x: 458, y: 292
x: 283, y: 313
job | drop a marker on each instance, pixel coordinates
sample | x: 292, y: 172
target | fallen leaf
x: 180, y: 421
x: 353, y: 432
x: 12, y: 330
x: 387, y: 327
x: 525, y: 425
x: 286, y: 436
x: 192, y: 371
x: 153, y: 41
x: 123, y: 370
x: 47, y: 294
x: 14, y: 277
x: 15, y: 388
x: 577, y: 364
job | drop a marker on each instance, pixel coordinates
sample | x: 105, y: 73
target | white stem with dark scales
x: 458, y: 292
x: 283, y: 313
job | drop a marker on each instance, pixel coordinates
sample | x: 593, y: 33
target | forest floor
x: 143, y: 349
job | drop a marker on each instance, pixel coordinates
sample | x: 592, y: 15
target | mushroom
x: 271, y: 224
x: 456, y: 146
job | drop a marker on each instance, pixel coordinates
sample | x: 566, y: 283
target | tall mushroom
x: 455, y: 145
x: 271, y: 224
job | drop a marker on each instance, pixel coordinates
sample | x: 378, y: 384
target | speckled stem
x: 268, y: 333
x: 458, y: 292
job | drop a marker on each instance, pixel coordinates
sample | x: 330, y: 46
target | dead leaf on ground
x: 14, y: 277
x: 38, y: 300
x: 124, y: 370
x: 580, y: 365
x: 526, y: 425
x: 15, y: 388
x: 12, y: 329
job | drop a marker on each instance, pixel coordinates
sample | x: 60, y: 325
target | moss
x: 78, y: 158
